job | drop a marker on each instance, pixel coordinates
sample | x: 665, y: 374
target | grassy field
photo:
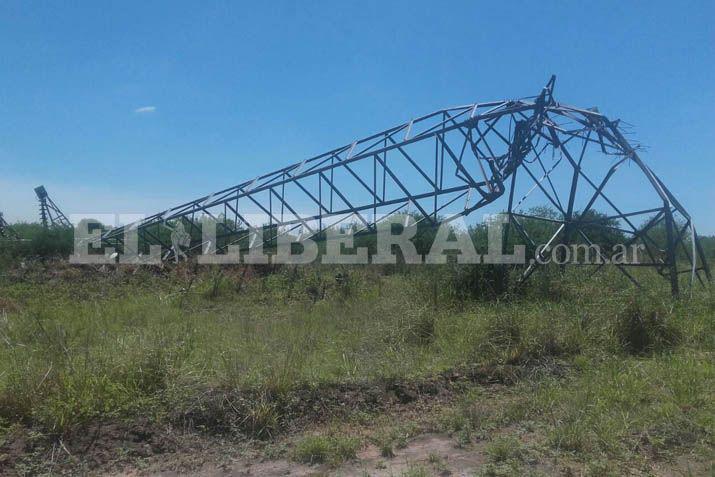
x: 313, y: 366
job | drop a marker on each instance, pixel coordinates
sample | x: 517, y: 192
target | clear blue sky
x: 231, y: 90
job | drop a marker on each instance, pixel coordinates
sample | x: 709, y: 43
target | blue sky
x: 233, y: 89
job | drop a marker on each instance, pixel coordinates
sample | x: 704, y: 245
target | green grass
x: 600, y: 370
x: 330, y: 449
x: 619, y: 405
x: 503, y: 449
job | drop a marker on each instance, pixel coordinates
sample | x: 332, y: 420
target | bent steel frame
x: 50, y: 213
x: 450, y: 163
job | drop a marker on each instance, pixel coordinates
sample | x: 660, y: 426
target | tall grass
x: 81, y: 349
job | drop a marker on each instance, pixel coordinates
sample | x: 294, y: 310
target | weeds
x: 503, y: 449
x: 396, y: 437
x: 620, y: 405
x: 605, y: 374
x: 262, y: 419
x: 330, y: 449
x: 646, y: 328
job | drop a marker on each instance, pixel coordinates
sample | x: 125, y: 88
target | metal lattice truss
x: 508, y: 155
x: 6, y: 231
x: 50, y: 213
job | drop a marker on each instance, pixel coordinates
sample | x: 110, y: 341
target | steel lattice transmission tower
x: 6, y: 231
x: 50, y: 213
x: 506, y: 155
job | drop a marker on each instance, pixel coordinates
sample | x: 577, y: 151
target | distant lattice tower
x: 6, y: 231
x: 50, y: 213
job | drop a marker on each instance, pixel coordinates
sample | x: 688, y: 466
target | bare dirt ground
x: 432, y: 452
x: 426, y: 455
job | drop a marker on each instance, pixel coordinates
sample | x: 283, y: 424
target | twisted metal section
x: 452, y: 162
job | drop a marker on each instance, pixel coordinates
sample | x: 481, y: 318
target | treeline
x: 36, y: 242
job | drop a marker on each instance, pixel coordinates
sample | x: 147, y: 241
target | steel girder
x: 452, y: 162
